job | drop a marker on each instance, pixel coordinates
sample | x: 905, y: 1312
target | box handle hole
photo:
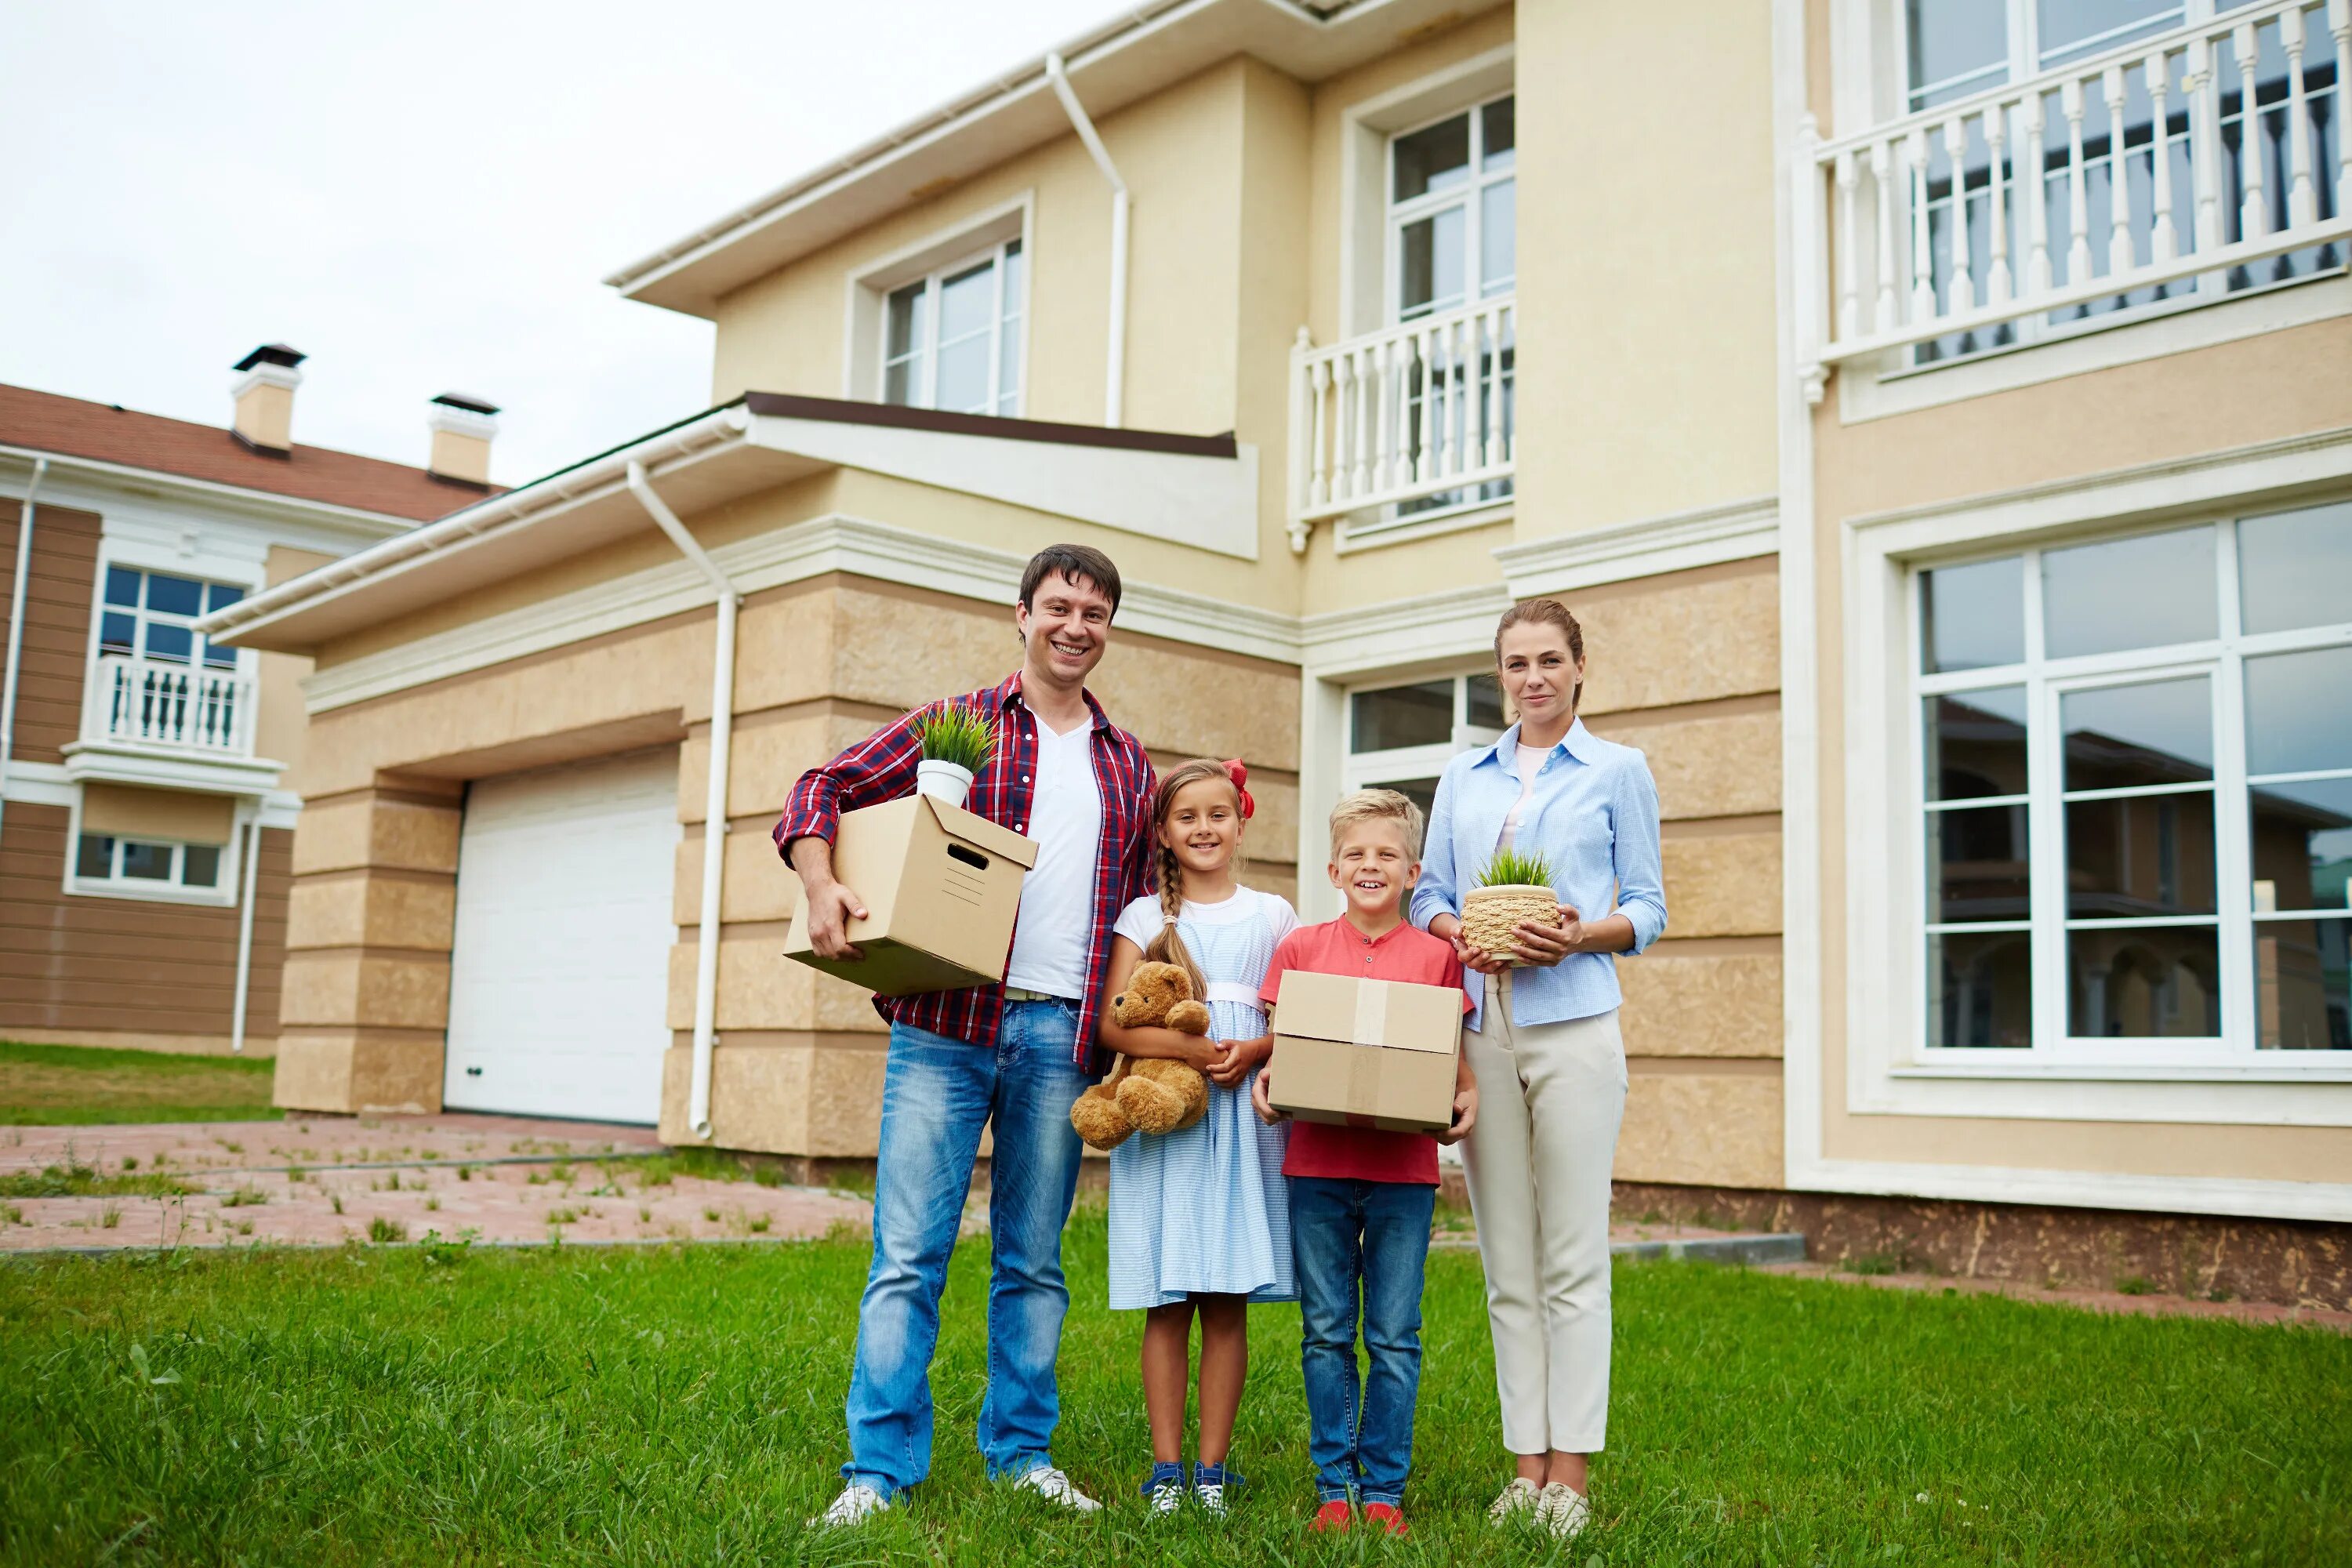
x: 972, y: 858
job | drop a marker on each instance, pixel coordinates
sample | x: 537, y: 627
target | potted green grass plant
x: 1514, y: 889
x: 957, y: 743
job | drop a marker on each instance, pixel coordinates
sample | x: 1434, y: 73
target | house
x: 152, y: 772
x: 1939, y: 415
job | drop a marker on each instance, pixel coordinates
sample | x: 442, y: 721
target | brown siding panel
x: 57, y: 594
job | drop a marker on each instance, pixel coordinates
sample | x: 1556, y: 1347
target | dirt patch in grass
x: 84, y: 1085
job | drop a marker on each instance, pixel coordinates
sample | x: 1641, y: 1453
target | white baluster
x: 2162, y: 245
x: 1318, y: 470
x: 2254, y: 210
x: 1360, y: 424
x: 2339, y: 26
x: 1490, y: 392
x: 2037, y: 200
x: 1922, y: 264
x: 1997, y: 273
x: 1956, y: 148
x: 1882, y: 190
x: 2119, y: 237
x: 1389, y: 464
x: 2301, y: 200
x: 2202, y: 82
x: 1510, y: 314
x: 2078, y: 204
x: 1849, y: 306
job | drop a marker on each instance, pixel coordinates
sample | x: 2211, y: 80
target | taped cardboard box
x: 941, y: 886
x: 1366, y: 1053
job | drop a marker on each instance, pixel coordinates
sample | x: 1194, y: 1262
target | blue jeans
x: 938, y: 1093
x: 1366, y: 1239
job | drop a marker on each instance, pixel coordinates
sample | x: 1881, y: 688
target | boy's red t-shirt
x: 1335, y: 947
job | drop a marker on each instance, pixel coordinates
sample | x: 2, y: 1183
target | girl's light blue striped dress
x: 1204, y: 1209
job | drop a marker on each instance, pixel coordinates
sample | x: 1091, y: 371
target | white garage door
x: 559, y: 972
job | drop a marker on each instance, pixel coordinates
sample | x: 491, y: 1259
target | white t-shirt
x: 1057, y: 896
x: 1531, y: 761
x: 1141, y: 920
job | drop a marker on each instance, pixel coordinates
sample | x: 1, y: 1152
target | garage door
x: 559, y: 972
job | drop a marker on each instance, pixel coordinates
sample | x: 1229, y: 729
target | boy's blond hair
x: 1378, y: 805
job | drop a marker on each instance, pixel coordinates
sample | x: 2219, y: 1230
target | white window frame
x: 941, y: 254
x: 223, y: 894
x: 1397, y: 214
x: 1368, y: 770
x: 1884, y: 861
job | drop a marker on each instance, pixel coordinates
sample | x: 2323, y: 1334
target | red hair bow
x: 1239, y: 775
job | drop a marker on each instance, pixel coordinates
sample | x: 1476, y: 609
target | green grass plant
x: 71, y: 1086
x: 75, y: 1179
x: 955, y: 732
x: 672, y: 1405
x: 1515, y: 869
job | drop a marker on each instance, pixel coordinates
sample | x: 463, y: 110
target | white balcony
x: 1414, y: 417
x: 161, y: 704
x: 2114, y: 184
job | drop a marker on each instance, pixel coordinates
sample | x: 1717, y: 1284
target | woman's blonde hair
x: 1169, y: 947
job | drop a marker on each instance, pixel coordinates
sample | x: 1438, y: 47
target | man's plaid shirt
x: 882, y: 767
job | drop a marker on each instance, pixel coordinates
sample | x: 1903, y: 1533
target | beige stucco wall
x: 279, y: 724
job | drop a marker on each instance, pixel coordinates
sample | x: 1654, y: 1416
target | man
x: 1018, y: 1053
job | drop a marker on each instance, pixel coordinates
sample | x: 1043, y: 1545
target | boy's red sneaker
x: 1332, y: 1517
x: 1386, y: 1516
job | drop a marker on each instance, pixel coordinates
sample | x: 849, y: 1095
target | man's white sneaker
x: 1521, y: 1496
x: 1563, y: 1510
x: 1058, y: 1490
x: 857, y: 1503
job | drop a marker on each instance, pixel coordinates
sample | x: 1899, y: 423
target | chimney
x: 462, y: 428
x: 265, y: 398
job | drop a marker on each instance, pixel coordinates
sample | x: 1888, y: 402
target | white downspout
x: 1115, y: 372
x: 16, y: 627
x: 714, y: 809
x: 252, y: 834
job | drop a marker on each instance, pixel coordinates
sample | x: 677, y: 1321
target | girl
x: 1199, y: 1222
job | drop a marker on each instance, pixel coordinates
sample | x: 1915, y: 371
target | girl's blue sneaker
x: 1163, y: 1489
x: 1214, y: 1485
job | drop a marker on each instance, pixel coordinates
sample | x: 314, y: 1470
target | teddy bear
x: 1152, y: 1093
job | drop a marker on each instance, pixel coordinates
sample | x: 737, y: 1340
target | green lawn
x: 378, y: 1405
x: 83, y: 1085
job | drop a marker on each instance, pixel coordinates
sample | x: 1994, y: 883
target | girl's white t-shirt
x: 1531, y: 761
x: 1140, y: 922
x: 1050, y: 935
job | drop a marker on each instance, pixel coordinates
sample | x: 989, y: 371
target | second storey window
x: 1452, y: 227
x: 151, y: 614
x: 952, y: 340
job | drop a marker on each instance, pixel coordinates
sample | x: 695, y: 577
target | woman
x: 1538, y: 1160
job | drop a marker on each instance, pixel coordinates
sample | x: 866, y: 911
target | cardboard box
x: 1366, y: 1053
x: 941, y: 886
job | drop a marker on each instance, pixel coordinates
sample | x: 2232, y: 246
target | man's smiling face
x: 1066, y: 628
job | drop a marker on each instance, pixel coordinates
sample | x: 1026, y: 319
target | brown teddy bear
x: 1154, y: 1094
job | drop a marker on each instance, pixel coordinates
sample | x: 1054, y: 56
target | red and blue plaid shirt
x: 882, y: 767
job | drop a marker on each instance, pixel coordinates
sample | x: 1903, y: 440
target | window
x: 102, y: 860
x: 1402, y: 737
x: 951, y: 340
x: 151, y: 614
x: 2135, y: 772
x: 1955, y: 49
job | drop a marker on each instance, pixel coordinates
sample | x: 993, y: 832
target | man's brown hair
x: 1078, y: 562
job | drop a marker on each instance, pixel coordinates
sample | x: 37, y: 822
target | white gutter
x: 16, y: 626
x: 1115, y: 370
x: 252, y: 832
x: 714, y: 805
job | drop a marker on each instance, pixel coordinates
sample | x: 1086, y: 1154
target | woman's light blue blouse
x: 1593, y: 816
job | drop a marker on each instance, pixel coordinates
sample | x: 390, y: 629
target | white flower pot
x: 942, y: 781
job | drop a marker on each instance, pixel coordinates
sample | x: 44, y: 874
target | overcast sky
x: 423, y: 195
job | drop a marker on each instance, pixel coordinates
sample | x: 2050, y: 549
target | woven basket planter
x: 1489, y: 914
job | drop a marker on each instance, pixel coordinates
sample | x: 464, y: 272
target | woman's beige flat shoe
x: 1519, y: 1498
x: 1562, y: 1510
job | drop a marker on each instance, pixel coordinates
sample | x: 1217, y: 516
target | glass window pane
x: 899, y: 382
x: 1976, y: 744
x: 1008, y: 367
x: 220, y: 657
x: 1497, y: 238
x: 118, y: 633
x: 2139, y: 854
x: 908, y: 314
x: 2303, y: 845
x: 1977, y: 864
x: 2158, y: 732
x: 1980, y: 990
x: 2145, y: 592
x: 1959, y: 44
x: 968, y: 302
x: 200, y: 864
x: 1433, y: 159
x: 2303, y: 985
x: 1486, y: 702
x: 1973, y: 617
x: 149, y: 862
x: 94, y: 857
x: 1499, y: 135
x: 2299, y: 711
x: 1429, y: 264
x: 963, y: 377
x: 219, y: 594
x: 165, y: 641
x: 122, y: 587
x: 2073, y: 29
x: 2293, y: 568
x: 1419, y: 715
x: 2144, y: 983
x: 174, y: 596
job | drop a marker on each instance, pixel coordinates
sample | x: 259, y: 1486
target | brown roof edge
x: 791, y: 406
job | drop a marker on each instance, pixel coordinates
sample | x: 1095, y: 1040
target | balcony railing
x: 2204, y: 161
x: 159, y: 702
x: 1414, y: 417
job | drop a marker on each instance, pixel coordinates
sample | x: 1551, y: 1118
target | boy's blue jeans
x: 938, y: 1093
x: 1361, y: 1239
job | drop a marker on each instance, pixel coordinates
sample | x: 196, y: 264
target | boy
x: 1361, y: 1199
